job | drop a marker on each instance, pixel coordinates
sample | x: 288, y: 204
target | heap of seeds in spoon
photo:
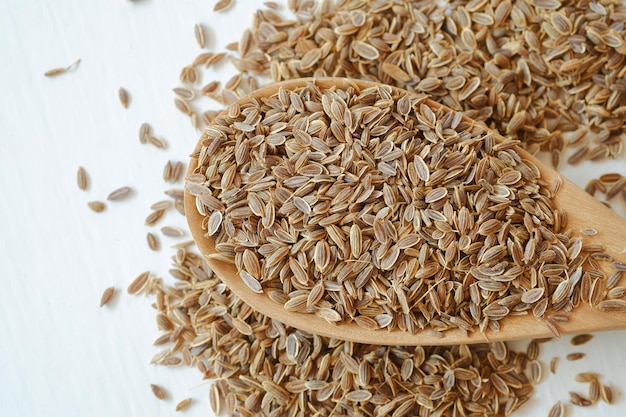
x: 378, y: 207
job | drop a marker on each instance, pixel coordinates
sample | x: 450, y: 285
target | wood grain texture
x: 583, y: 211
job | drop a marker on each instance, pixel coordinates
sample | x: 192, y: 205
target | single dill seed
x: 144, y: 132
x: 107, y: 295
x: 153, y: 242
x: 97, y: 206
x: 119, y: 194
x: 222, y: 5
x: 183, y: 404
x: 123, y: 96
x: 139, y: 283
x: 57, y: 71
x: 82, y: 179
x: 199, y: 33
x: 158, y: 391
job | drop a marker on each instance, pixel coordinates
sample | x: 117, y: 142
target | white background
x: 60, y: 354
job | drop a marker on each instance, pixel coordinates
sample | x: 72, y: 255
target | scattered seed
x: 199, y: 32
x: 183, y: 404
x: 153, y: 241
x: 575, y: 356
x: 123, y: 96
x: 222, y: 5
x: 107, y: 295
x: 144, y: 132
x: 81, y: 178
x: 606, y: 393
x: 557, y: 410
x: 586, y: 377
x: 172, y: 231
x: 579, y: 400
x: 581, y: 339
x: 167, y: 171
x: 158, y: 391
x: 553, y: 363
x: 139, y: 283
x: 97, y: 206
x: 57, y: 71
x: 119, y: 194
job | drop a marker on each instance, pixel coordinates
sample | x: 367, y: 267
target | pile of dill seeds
x: 546, y: 73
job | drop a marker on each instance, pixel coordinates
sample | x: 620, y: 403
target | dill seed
x: 199, y: 33
x: 182, y: 106
x: 184, y: 93
x: 57, y: 71
x: 606, y: 393
x: 172, y: 231
x: 557, y: 410
x: 123, y: 96
x: 575, y: 356
x: 154, y: 217
x: 183, y: 404
x: 158, y: 391
x: 97, y: 206
x: 177, y: 171
x: 167, y: 171
x: 222, y: 5
x: 82, y: 179
x: 581, y: 339
x: 153, y: 241
x: 156, y: 142
x: 139, y: 283
x: 553, y: 363
x: 144, y: 132
x: 107, y: 296
x: 161, y: 205
x: 119, y: 194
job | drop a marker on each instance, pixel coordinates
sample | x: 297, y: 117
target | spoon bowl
x: 583, y: 212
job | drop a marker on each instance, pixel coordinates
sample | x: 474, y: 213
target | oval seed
x: 158, y: 391
x: 107, y: 296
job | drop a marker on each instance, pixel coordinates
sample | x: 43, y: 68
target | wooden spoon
x: 583, y: 212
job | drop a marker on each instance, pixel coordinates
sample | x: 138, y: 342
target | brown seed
x: 144, y: 132
x: 214, y: 400
x: 154, y: 217
x: 97, y: 206
x: 57, y: 71
x: 119, y: 194
x: 185, y: 93
x: 586, y: 377
x: 553, y: 362
x: 177, y: 171
x: 612, y: 305
x: 182, y: 106
x: 158, y: 391
x: 156, y: 142
x: 579, y: 400
x: 222, y: 5
x: 139, y: 283
x: 365, y: 50
x: 557, y: 410
x: 183, y: 404
x: 82, y: 179
x: 575, y: 356
x: 153, y: 241
x: 606, y: 393
x: 581, y: 339
x: 123, y: 96
x: 167, y: 171
x: 199, y: 33
x: 107, y: 295
x: 172, y: 231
